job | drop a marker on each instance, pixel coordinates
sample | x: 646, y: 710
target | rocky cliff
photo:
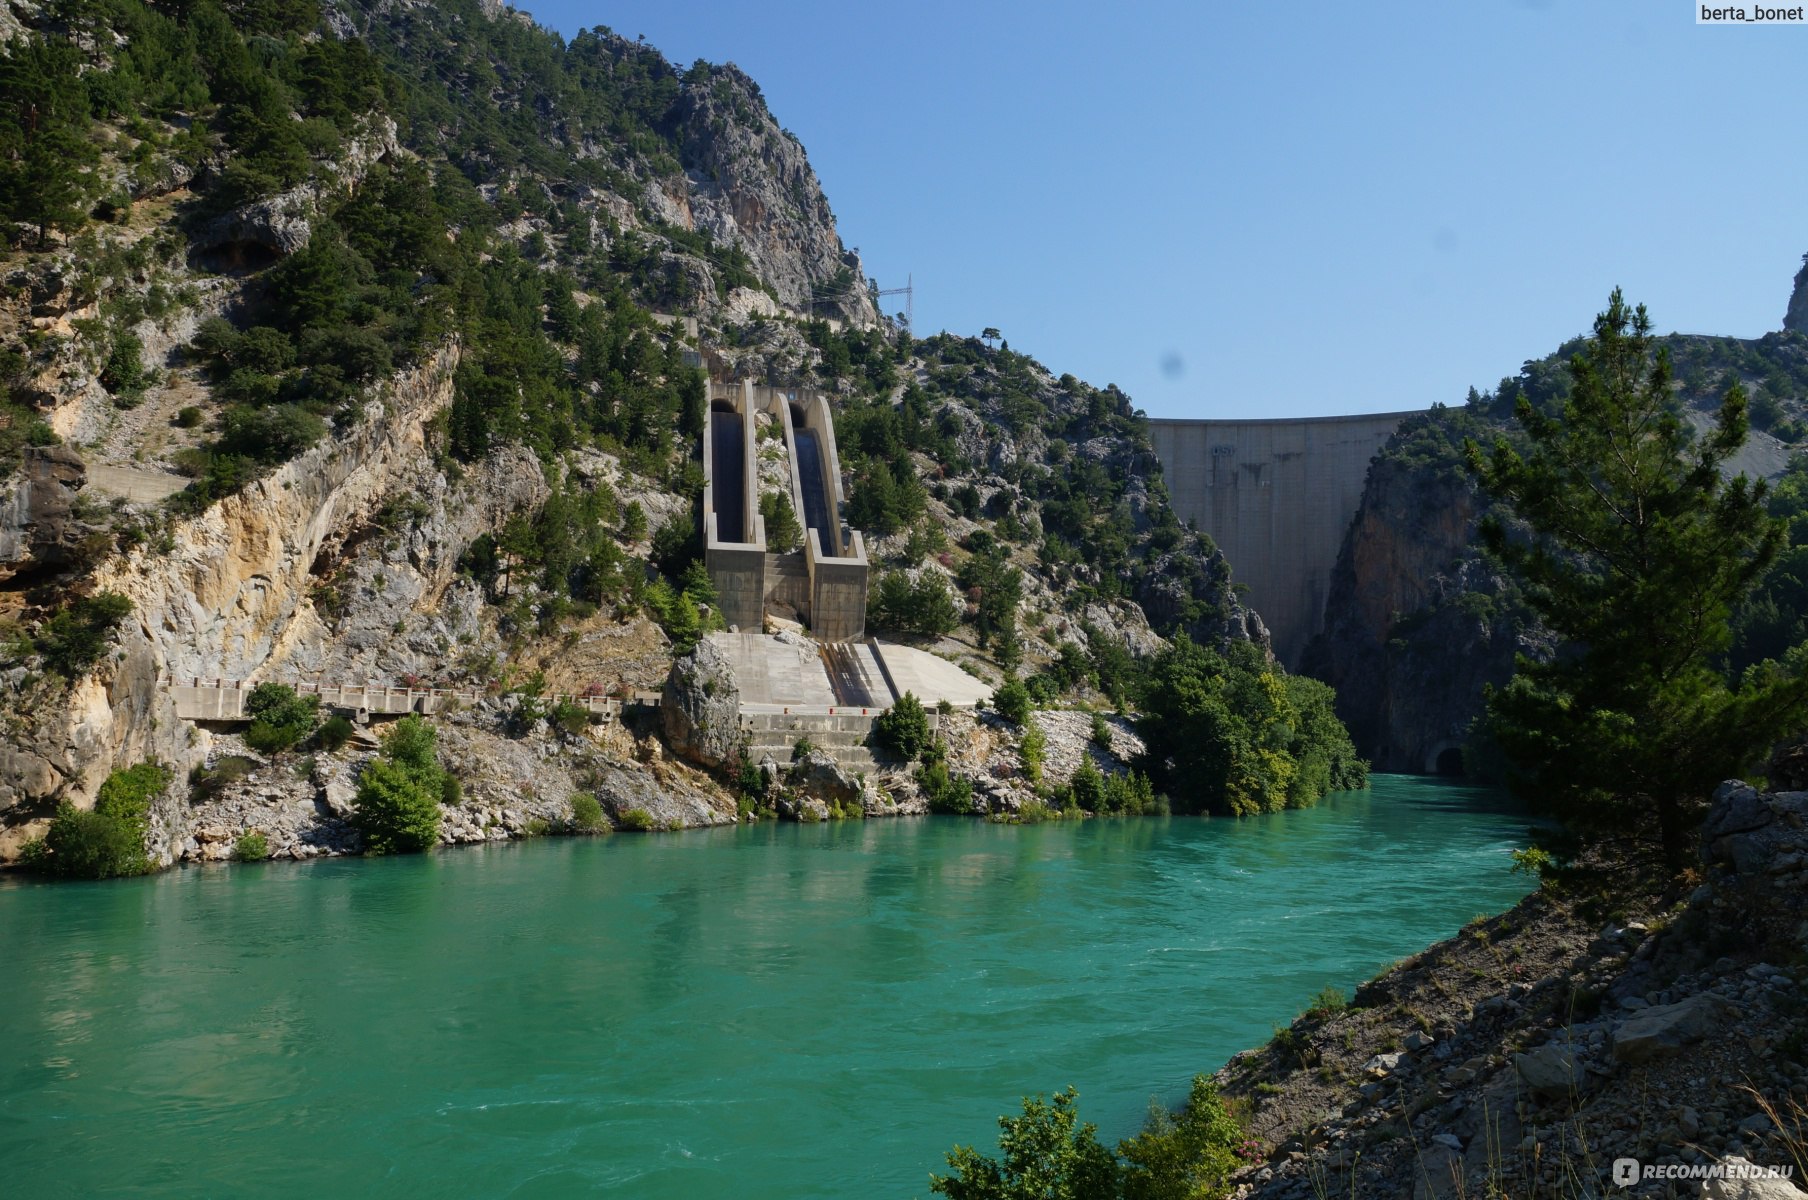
x: 1417, y: 622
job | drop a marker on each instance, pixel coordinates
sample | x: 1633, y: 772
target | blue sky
x: 1277, y: 209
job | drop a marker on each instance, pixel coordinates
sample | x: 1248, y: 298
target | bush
x: 73, y: 641
x: 637, y: 820
x: 587, y: 813
x: 109, y: 840
x: 1088, y: 786
x: 783, y: 533
x: 251, y: 847
x: 1032, y: 749
x: 188, y: 417
x: 1012, y: 700
x: 944, y: 792
x: 398, y: 803
x: 1047, y: 1152
x: 280, y: 719
x: 571, y: 717
x: 335, y: 732
x: 903, y: 729
x: 1101, y: 732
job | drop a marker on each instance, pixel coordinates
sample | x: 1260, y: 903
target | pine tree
x: 1639, y: 550
x: 45, y: 150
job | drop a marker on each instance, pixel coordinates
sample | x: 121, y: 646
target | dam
x: 1276, y: 495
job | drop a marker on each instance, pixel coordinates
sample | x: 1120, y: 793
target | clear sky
x: 1283, y: 208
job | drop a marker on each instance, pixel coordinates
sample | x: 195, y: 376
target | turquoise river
x: 777, y: 1011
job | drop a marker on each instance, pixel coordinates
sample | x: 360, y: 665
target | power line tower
x: 910, y: 310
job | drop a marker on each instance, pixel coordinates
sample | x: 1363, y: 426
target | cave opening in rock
x: 1450, y: 761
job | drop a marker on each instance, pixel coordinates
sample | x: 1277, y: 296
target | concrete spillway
x: 825, y: 582
x: 1277, y: 497
x: 727, y: 435
x: 809, y: 481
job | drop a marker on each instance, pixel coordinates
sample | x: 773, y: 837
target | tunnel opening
x: 721, y: 406
x: 1449, y: 761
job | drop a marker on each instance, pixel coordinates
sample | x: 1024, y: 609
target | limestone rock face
x: 38, y: 526
x: 701, y: 708
x: 751, y: 185
x: 1797, y: 317
x: 1416, y: 623
x: 228, y: 598
x: 282, y: 224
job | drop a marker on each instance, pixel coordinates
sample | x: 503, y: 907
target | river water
x: 780, y: 1011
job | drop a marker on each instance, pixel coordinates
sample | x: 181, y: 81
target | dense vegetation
x: 1232, y: 733
x: 107, y: 840
x: 1640, y: 552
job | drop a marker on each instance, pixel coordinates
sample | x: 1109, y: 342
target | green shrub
x: 1087, y: 786
x: 903, y: 729
x: 188, y: 417
x: 280, y: 719
x: 801, y: 748
x: 251, y: 847
x: 944, y: 792
x: 636, y: 820
x: 587, y: 813
x: 1329, y: 1001
x: 109, y: 840
x: 399, y: 792
x: 335, y: 732
x: 74, y: 640
x: 1047, y: 1152
x: 1032, y: 749
x: 571, y: 717
x: 205, y: 782
x: 1101, y: 732
x: 1012, y: 701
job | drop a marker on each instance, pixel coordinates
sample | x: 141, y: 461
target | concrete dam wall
x: 1277, y: 496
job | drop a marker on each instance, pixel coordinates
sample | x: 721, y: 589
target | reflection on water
x: 777, y: 1011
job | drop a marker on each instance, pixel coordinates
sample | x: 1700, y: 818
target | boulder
x: 1760, y: 1188
x: 820, y: 777
x: 701, y: 708
x: 1552, y: 1071
x: 1663, y: 1031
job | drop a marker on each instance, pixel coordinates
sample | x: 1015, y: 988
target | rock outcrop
x: 38, y: 523
x: 751, y: 185
x: 1796, y: 318
x: 701, y: 709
